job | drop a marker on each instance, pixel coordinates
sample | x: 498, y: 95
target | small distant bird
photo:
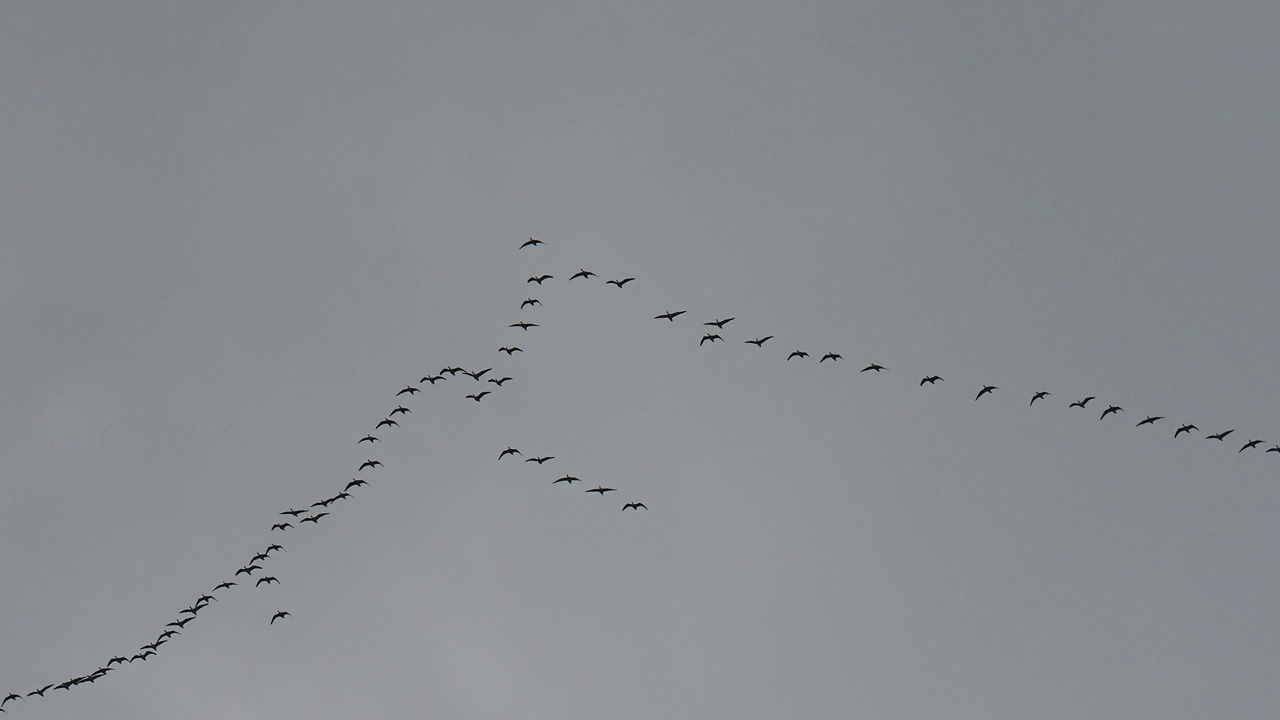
x: 797, y: 354
x: 112, y: 661
x: 760, y: 341
x: 529, y: 301
x: 531, y: 242
x: 400, y: 410
x: 368, y: 464
x: 355, y: 482
x: 872, y: 366
x: 709, y: 336
x: 1274, y: 449
x: 293, y: 512
x: 986, y: 389
x: 1151, y: 420
x: 539, y: 279
x: 140, y: 656
x: 281, y: 526
x: 314, y: 518
x: 567, y: 479
x: 583, y: 273
x: 386, y: 422
x: 509, y: 451
x: 1082, y: 403
x: 670, y: 315
x: 634, y: 506
x: 268, y: 579
x: 619, y: 283
x: 476, y: 375
x: 227, y: 584
x: 179, y: 623
x: 1220, y: 436
x: 451, y: 370
x: 322, y: 503
x: 499, y: 381
x: 719, y: 323
x: 41, y: 691
x: 279, y: 616
x: 833, y: 357
x: 601, y: 490
x: 247, y: 570
x: 1109, y: 410
x: 931, y: 379
x: 15, y: 696
x: 1250, y: 444
x: 510, y: 350
x: 271, y: 548
x: 409, y: 389
x: 168, y: 634
x: 478, y: 395
x: 1184, y: 429
x: 431, y: 379
x: 524, y: 325
x: 1040, y: 395
x: 540, y: 460
x: 368, y: 439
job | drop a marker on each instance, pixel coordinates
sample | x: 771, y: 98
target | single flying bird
x: 431, y: 379
x: 499, y: 381
x: 985, y: 390
x: 478, y: 374
x: 1081, y: 403
x: 670, y: 315
x: 1184, y: 429
x: 760, y: 341
x: 314, y: 518
x: 368, y: 464
x: 540, y: 460
x: 833, y: 357
x: 268, y: 579
x: 1250, y: 444
x: 583, y: 273
x: 281, y: 526
x: 510, y: 350
x: 797, y: 354
x: 538, y: 279
x: 621, y: 282
x: 477, y: 396
x: 709, y: 336
x: 531, y: 242
x: 400, y: 410
x: 1038, y: 396
x: 1151, y: 420
x: 279, y: 616
x: 530, y: 302
x: 601, y: 490
x: 509, y: 451
x: 1109, y: 410
x: 524, y: 325
x: 1220, y: 436
x: 931, y: 379
x: 368, y: 439
x: 409, y: 389
x: 719, y: 323
x: 567, y: 479
x: 872, y: 366
x: 634, y: 506
x: 387, y: 422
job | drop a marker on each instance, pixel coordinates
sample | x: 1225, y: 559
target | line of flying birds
x: 320, y: 508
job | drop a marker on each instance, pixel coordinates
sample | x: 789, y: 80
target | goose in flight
x: 872, y: 366
x: 619, y: 283
x: 399, y: 410
x: 1184, y: 429
x: 531, y: 242
x: 478, y: 395
x: 985, y: 390
x: 1040, y: 395
x: 1220, y: 436
x: 512, y: 350
x: 224, y: 585
x: 270, y: 548
x: 670, y: 315
x: 355, y: 482
x: 368, y: 464
x: 524, y: 325
x: 567, y: 479
x: 634, y: 506
x: 268, y: 579
x: 1250, y: 444
x: 1274, y: 448
x: 583, y: 273
x: 601, y: 490
x: 451, y: 370
x: 41, y: 691
x: 931, y: 379
x: 509, y: 451
x: 293, y: 512
x: 279, y: 616
x: 1109, y: 410
x: 431, y: 379
x: 140, y: 656
x: 1082, y: 403
x: 797, y: 354
x: 540, y: 460
x: 1151, y: 420
x: 386, y: 422
x: 368, y: 439
x: 15, y: 696
x: 529, y: 302
x: 709, y: 336
x: 719, y: 323
x: 281, y: 526
x: 833, y: 357
x: 760, y: 341
x: 176, y: 623
x: 538, y: 279
x: 246, y: 570
x: 409, y: 389
x: 314, y: 518
x: 477, y: 375
x: 499, y: 381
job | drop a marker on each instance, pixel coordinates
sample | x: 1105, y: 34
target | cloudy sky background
x: 232, y: 232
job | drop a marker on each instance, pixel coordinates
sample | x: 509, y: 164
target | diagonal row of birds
x: 322, y: 508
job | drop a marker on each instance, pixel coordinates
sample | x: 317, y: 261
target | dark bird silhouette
x: 1220, y: 436
x: 387, y: 422
x: 760, y: 341
x: 719, y: 323
x: 1040, y: 395
x: 583, y: 273
x: 268, y: 579
x: 709, y: 336
x: 15, y: 696
x: 409, y: 389
x: 451, y: 370
x: 531, y: 242
x: 529, y: 302
x: 1250, y: 444
x: 567, y: 479
x: 271, y: 548
x: 282, y: 526
x: 510, y: 350
x: 368, y: 464
x: 368, y: 439
x: 931, y: 379
x: 509, y: 451
x: 833, y: 357
x: 279, y: 616
x: 140, y: 656
x: 670, y: 315
x: 322, y: 503
x: 601, y: 490
x: 477, y: 375
x: 200, y: 606
x: 539, y: 278
x: 293, y: 512
x: 226, y: 584
x: 1081, y: 403
x: 872, y: 366
x: 41, y: 691
x: 1109, y: 410
x: 634, y: 506
x: 400, y: 410
x: 116, y: 659
x: 431, y: 379
x: 540, y: 460
x: 479, y: 395
x: 986, y: 389
x: 621, y: 282
x: 1184, y: 429
x: 176, y: 623
x: 164, y: 636
x: 797, y: 354
x: 1274, y: 449
x: 248, y: 570
x: 314, y: 518
x: 524, y: 325
x: 355, y: 482
x: 499, y: 381
x: 1151, y: 420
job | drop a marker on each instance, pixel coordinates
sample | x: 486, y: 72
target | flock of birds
x: 319, y: 509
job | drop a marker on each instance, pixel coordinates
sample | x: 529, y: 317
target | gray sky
x: 231, y: 234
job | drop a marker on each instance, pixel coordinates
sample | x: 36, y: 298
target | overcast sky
x: 231, y: 232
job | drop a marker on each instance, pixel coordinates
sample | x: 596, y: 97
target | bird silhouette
x: 583, y: 273
x: 670, y: 315
x: 478, y: 374
x: 621, y: 282
x: 1274, y: 448
x: 797, y: 354
x: 601, y: 490
x: 478, y: 395
x: 499, y: 381
x: 282, y: 526
x: 279, y: 616
x: 711, y: 337
x: 15, y: 696
x: 386, y: 422
x: 368, y: 464
x: 268, y: 579
x: 227, y: 584
x: 40, y: 692
x: 567, y: 479
x: 355, y: 482
x: 451, y: 370
x: 985, y: 390
x: 314, y: 518
x: 400, y: 410
x: 409, y: 389
x: 931, y: 379
x: 1151, y: 420
x: 634, y: 506
x: 368, y: 439
x: 540, y: 460
x: 1109, y: 410
x: 509, y: 451
x: 1038, y: 396
x: 293, y: 512
x: 431, y: 379
x: 833, y: 357
x: 1081, y: 403
x: 531, y: 242
x: 248, y: 569
x: 510, y: 350
x: 178, y: 624
x: 524, y: 325
x: 1250, y: 444
x: 530, y: 302
x: 1220, y: 436
x: 872, y: 366
x: 1184, y: 429
x: 719, y: 323
x: 759, y: 342
x: 539, y: 279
